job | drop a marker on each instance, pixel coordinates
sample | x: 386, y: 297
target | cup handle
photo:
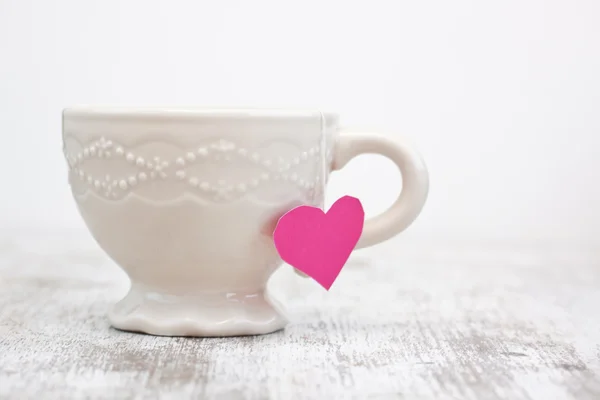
x: 415, y: 183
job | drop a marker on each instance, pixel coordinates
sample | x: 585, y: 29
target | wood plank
x: 456, y: 322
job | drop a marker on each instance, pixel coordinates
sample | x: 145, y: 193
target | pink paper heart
x: 318, y: 243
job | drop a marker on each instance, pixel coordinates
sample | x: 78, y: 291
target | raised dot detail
x: 282, y: 167
x: 225, y: 145
x: 123, y: 184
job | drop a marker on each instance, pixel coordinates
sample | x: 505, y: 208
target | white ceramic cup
x: 185, y: 201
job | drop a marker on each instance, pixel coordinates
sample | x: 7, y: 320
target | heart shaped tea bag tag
x: 319, y: 243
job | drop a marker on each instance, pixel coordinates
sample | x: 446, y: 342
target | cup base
x: 214, y: 314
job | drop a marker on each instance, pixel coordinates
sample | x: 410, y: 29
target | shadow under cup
x: 186, y: 201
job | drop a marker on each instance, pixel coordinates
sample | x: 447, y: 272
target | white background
x: 501, y: 97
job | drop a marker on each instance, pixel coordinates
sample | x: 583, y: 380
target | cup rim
x: 193, y: 112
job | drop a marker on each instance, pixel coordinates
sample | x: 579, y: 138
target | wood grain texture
x: 477, y: 321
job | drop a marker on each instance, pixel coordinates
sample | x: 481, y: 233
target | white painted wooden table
x: 472, y: 321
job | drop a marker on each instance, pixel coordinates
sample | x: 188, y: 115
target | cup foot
x: 213, y: 314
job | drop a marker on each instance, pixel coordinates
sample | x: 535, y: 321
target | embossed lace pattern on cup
x: 143, y: 169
